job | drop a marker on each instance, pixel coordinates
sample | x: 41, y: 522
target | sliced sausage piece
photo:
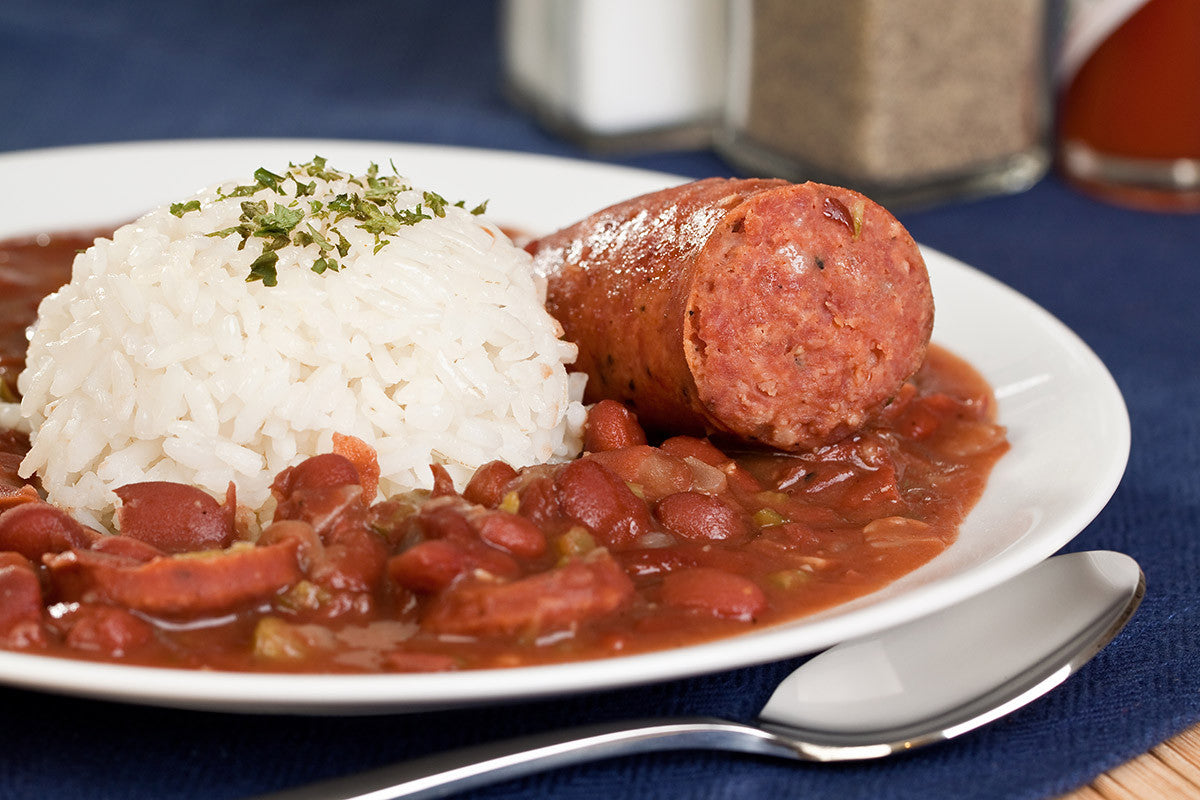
x: 365, y: 460
x: 578, y: 591
x: 786, y: 314
x: 187, y: 586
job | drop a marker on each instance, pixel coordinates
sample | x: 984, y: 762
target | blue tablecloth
x: 73, y: 71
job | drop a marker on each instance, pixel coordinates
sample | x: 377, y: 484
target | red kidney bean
x: 316, y: 472
x: 737, y: 477
x: 596, y: 498
x: 21, y: 625
x: 448, y: 520
x: 683, y: 446
x: 656, y: 472
x: 740, y: 481
x: 323, y: 507
x: 715, y: 591
x: 539, y: 500
x: 696, y: 516
x: 489, y: 483
x: 661, y: 474
x: 609, y: 426
x: 429, y: 566
x: 33, y: 529
x: 105, y: 629
x: 445, y: 520
x: 624, y: 462
x: 353, y: 559
x: 174, y: 517
x: 512, y: 533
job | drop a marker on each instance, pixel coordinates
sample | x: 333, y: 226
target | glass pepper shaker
x: 908, y: 101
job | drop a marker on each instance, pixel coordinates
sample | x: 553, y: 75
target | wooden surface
x: 1171, y: 770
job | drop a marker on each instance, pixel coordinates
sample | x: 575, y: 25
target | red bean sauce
x: 637, y: 545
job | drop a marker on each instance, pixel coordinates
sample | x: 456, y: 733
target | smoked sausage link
x: 785, y: 314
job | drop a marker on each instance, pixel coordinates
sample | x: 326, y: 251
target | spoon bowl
x: 926, y: 681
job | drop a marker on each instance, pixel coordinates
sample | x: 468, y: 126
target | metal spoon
x: 922, y: 682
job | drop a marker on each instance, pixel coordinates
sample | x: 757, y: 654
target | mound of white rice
x: 165, y: 359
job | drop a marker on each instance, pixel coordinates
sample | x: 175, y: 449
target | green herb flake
x: 242, y: 229
x: 268, y: 180
x: 343, y: 204
x: 252, y: 209
x: 436, y: 203
x: 480, y: 209
x: 179, y: 209
x: 312, y: 236
x: 242, y: 191
x: 263, y: 269
x: 376, y: 222
x: 279, y: 222
x: 411, y: 216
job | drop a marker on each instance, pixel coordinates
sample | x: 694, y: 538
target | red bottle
x: 1129, y: 112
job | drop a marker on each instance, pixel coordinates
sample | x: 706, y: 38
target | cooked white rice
x: 161, y: 361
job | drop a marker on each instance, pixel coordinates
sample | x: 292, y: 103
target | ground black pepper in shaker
x: 908, y: 101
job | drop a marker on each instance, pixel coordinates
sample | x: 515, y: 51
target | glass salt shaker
x: 618, y: 74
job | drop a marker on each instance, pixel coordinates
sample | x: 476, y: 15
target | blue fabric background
x: 73, y: 71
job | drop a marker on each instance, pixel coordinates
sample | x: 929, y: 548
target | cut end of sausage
x: 810, y: 307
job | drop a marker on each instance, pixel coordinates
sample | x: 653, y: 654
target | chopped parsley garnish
x: 263, y: 268
x: 312, y: 222
x: 268, y: 179
x: 436, y: 204
x: 179, y: 209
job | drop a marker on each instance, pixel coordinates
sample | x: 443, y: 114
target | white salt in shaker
x: 618, y: 74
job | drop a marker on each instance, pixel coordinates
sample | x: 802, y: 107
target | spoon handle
x: 458, y: 770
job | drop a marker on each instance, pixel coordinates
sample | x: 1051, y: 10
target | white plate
x: 1065, y: 417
